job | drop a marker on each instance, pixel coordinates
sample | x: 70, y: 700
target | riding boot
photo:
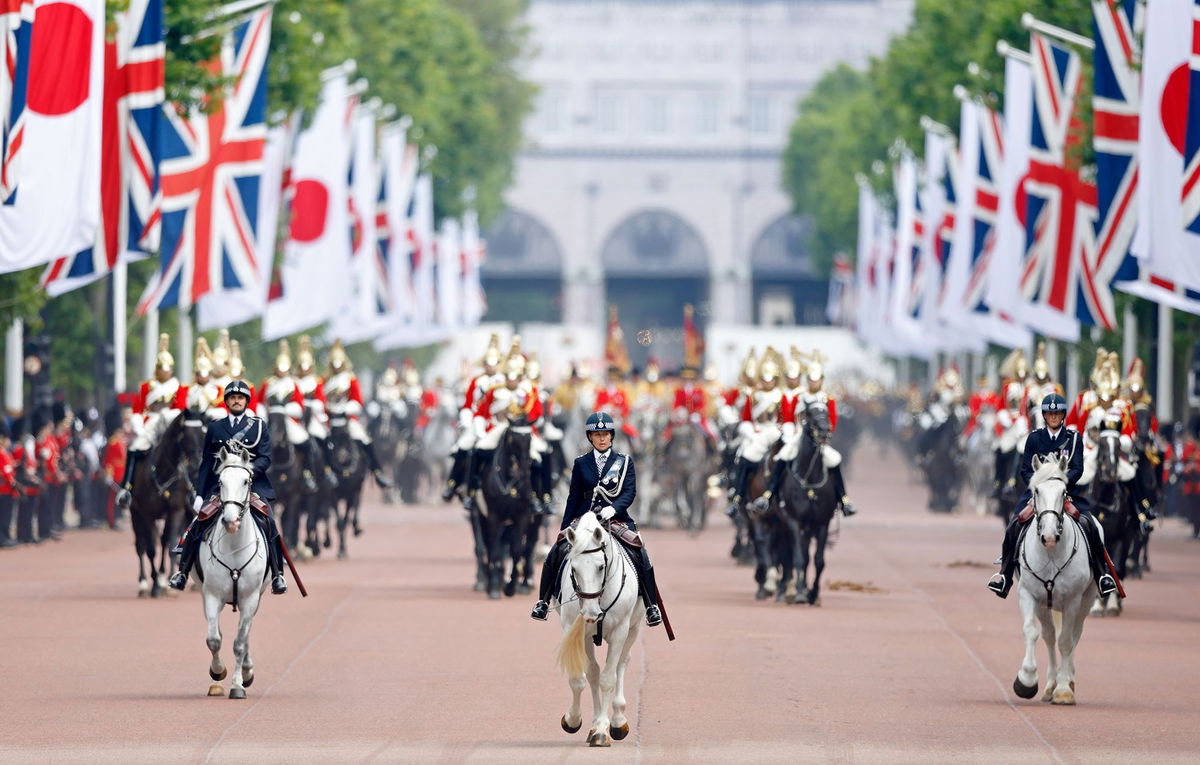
x: 6, y: 516
x: 376, y: 468
x: 778, y: 470
x: 458, y: 471
x: 309, y: 452
x: 266, y: 524
x: 1091, y: 530
x: 839, y: 488
x: 479, y: 458
x: 647, y: 587
x: 190, y: 549
x: 131, y: 462
x: 1002, y: 582
x: 550, y: 570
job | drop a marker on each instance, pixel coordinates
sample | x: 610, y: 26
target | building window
x: 656, y: 114
x: 706, y: 114
x: 760, y: 113
x: 607, y: 105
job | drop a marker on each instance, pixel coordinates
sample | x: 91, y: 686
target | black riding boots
x: 774, y: 485
x: 458, y: 474
x: 839, y: 487
x: 1002, y: 582
x: 743, y: 472
x: 641, y: 563
x: 381, y: 480
x: 195, y: 535
x: 479, y: 458
x: 131, y: 461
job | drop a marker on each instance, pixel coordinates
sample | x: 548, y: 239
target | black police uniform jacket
x: 617, y: 487
x: 256, y: 436
x: 1068, y: 443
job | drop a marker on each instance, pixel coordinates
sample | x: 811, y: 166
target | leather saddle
x: 213, y: 506
x: 621, y: 531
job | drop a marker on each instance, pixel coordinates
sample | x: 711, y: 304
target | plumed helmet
x: 236, y: 386
x: 202, y: 363
x: 305, y: 361
x: 283, y: 359
x: 514, y: 363
x: 338, y: 360
x: 533, y: 368
x: 769, y: 370
x: 220, y: 354
x: 236, y: 369
x: 1097, y: 367
x: 1041, y: 368
x: 816, y: 367
x: 1054, y: 403
x: 164, y: 362
x: 390, y: 377
x: 600, y: 422
x: 652, y: 370
x: 491, y: 355
x: 710, y: 372
x: 412, y: 377
x: 749, y: 373
x: 1135, y: 381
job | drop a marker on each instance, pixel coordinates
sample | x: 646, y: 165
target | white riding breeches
x: 491, y: 440
x: 791, y: 449
x: 152, y: 429
x: 466, y: 439
x: 357, y: 431
x: 296, y: 434
x: 756, y: 442
x: 317, y: 429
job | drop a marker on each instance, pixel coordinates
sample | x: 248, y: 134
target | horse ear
x: 598, y: 534
x: 571, y: 535
x: 1062, y: 462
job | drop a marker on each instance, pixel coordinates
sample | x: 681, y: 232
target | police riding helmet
x: 237, y: 386
x: 599, y: 422
x: 1054, y: 403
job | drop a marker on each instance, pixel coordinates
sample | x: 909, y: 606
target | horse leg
x: 150, y: 544
x: 602, y: 722
x: 619, y: 725
x: 342, y: 511
x: 814, y: 593
x: 495, y: 558
x: 241, y: 643
x: 480, y: 551
x: 1026, y: 682
x: 762, y: 555
x: 790, y: 574
x: 139, y: 544
x: 801, y: 562
x: 216, y: 668
x: 593, y: 676
x: 1064, y: 680
x: 1049, y: 638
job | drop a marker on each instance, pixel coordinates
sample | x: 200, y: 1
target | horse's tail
x: 572, y: 658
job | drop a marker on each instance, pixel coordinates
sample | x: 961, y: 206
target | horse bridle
x: 1061, y: 512
x: 603, y: 550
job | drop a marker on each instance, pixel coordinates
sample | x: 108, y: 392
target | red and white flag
x: 474, y: 253
x: 56, y: 208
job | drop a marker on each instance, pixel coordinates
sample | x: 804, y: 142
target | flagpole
x: 1166, y: 320
x: 1016, y: 54
x: 1030, y: 22
x: 1129, y: 335
x: 14, y: 378
x: 120, y: 291
x: 149, y: 343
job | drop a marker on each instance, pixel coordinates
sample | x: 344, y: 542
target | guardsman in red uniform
x: 9, y: 490
x: 25, y: 463
x: 516, y: 398
x: 113, y: 463
x: 202, y: 396
x: 477, y: 390
x: 984, y: 401
x: 279, y: 395
x: 759, y: 427
x: 50, y: 472
x: 1087, y: 399
x: 153, y: 410
x: 343, y: 398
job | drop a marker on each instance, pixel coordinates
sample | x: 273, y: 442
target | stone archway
x: 522, y: 275
x: 654, y: 261
x: 787, y: 290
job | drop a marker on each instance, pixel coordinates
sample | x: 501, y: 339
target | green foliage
x: 850, y: 119
x: 306, y: 39
x: 189, y: 78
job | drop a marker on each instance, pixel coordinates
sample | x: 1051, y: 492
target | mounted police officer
x: 1054, y: 440
x: 603, y: 482
x: 253, y: 432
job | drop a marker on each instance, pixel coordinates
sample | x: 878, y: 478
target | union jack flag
x: 1191, y: 154
x: 383, y: 249
x: 211, y: 169
x: 129, y: 190
x: 839, y: 306
x: 945, y: 228
x: 16, y: 32
x: 1060, y: 272
x: 985, y: 207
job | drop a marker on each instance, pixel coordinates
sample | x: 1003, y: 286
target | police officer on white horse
x: 255, y: 434
x: 602, y: 481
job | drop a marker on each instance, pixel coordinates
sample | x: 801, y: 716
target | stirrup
x: 998, y: 584
x: 178, y: 581
x: 124, y: 498
x: 278, y: 585
x: 653, y: 616
x: 847, y: 508
x: 1107, y: 585
x: 382, y: 480
x: 540, y: 610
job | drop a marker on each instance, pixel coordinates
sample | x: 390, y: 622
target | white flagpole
x: 1166, y: 319
x: 120, y: 294
x: 14, y: 372
x: 149, y: 344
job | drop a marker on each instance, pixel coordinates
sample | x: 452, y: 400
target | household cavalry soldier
x: 689, y: 404
x: 613, y: 399
x: 1012, y: 421
x: 477, y: 390
x: 515, y: 403
x: 1042, y: 384
x: 417, y: 398
x: 603, y: 482
x: 280, y: 394
x: 813, y: 397
x: 220, y: 372
x: 759, y: 427
x: 153, y: 410
x: 202, y: 395
x: 729, y: 415
x: 1054, y: 440
x: 1087, y: 399
x: 343, y: 398
x: 546, y: 435
x: 1145, y: 435
x: 239, y: 424
x: 389, y: 394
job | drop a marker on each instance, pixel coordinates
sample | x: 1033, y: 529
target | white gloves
x: 607, y: 513
x: 197, y: 503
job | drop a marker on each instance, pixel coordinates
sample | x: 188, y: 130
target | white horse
x: 1056, y: 586
x: 599, y: 596
x: 233, y: 557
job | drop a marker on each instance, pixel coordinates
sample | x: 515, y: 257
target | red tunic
x: 691, y: 399
x: 114, y: 458
x: 48, y: 452
x: 26, y: 460
x: 8, y: 475
x: 981, y: 400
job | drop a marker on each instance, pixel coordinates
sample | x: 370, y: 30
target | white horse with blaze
x: 599, y: 589
x: 233, y: 557
x: 1056, y: 585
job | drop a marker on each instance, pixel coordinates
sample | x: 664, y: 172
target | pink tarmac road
x: 394, y: 659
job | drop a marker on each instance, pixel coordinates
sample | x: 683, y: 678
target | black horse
x: 162, y: 491
x: 502, y: 520
x: 350, y: 466
x: 808, y: 502
x: 1110, y: 500
x: 939, y: 456
x: 287, y: 476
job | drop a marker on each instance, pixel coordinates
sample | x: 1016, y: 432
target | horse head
x: 235, y: 474
x: 816, y: 422
x: 513, y: 464
x: 588, y: 561
x: 1108, y: 456
x: 1049, y: 488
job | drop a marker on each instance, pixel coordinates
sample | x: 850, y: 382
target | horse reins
x: 603, y: 550
x: 236, y: 573
x: 1049, y: 583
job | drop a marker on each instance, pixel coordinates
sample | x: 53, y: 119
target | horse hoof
x: 780, y: 596
x: 1064, y: 698
x: 599, y: 739
x: 1048, y: 696
x: 790, y: 598
x: 619, y: 734
x: 815, y: 602
x: 219, y: 676
x: 237, y: 693
x: 493, y: 594
x: 247, y: 680
x: 568, y: 727
x: 143, y: 593
x: 761, y: 594
x: 524, y: 588
x: 1024, y: 691
x: 509, y: 590
x: 216, y: 689
x: 342, y: 555
x: 479, y: 587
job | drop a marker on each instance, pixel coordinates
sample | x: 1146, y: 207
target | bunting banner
x: 16, y: 32
x: 474, y: 254
x: 907, y: 272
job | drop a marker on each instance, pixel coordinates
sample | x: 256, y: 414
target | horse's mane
x: 1045, y: 472
x: 584, y: 530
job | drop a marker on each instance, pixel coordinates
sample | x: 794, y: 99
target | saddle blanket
x: 619, y: 530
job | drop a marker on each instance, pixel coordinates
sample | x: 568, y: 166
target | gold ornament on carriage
x: 202, y: 363
x: 1041, y: 368
x: 491, y: 355
x: 236, y: 368
x: 164, y: 362
x: 283, y: 358
x: 514, y: 363
x: 338, y: 360
x: 305, y: 361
